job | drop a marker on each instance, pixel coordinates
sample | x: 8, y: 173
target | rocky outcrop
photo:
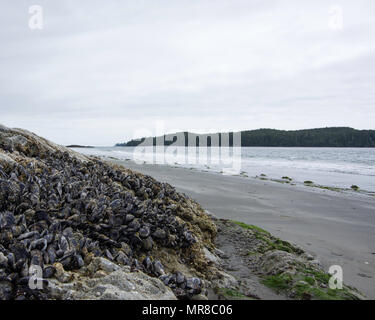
x: 28, y: 144
x: 105, y: 280
x: 76, y: 227
x: 265, y: 267
x: 59, y: 209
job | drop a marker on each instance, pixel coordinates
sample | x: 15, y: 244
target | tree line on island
x: 321, y: 137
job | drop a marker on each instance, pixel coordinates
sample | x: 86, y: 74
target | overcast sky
x: 101, y: 72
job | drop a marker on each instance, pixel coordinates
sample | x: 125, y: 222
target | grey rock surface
x: 104, y: 280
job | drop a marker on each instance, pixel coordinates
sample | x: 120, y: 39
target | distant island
x: 78, y: 146
x: 320, y: 137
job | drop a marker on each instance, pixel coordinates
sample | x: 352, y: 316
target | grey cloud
x: 100, y: 70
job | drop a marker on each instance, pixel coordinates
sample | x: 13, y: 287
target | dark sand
x: 337, y: 228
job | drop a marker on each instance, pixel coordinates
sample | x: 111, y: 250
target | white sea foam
x: 338, y: 167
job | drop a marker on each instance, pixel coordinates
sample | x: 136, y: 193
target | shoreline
x: 336, y: 228
x: 295, y: 168
x: 86, y: 222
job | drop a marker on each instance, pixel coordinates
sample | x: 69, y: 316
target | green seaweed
x: 278, y: 282
x: 271, y: 243
x: 308, y: 182
x: 280, y: 181
x: 309, y: 280
x: 306, y: 290
x: 287, y: 178
x: 251, y: 227
x: 278, y: 244
x: 329, y: 188
x: 320, y: 276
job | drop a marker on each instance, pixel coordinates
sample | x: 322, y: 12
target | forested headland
x: 321, y: 137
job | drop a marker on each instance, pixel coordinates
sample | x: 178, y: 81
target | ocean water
x: 333, y: 167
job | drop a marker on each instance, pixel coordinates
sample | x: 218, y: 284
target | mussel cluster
x: 57, y: 208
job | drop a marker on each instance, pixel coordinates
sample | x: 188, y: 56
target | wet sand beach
x: 337, y: 228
